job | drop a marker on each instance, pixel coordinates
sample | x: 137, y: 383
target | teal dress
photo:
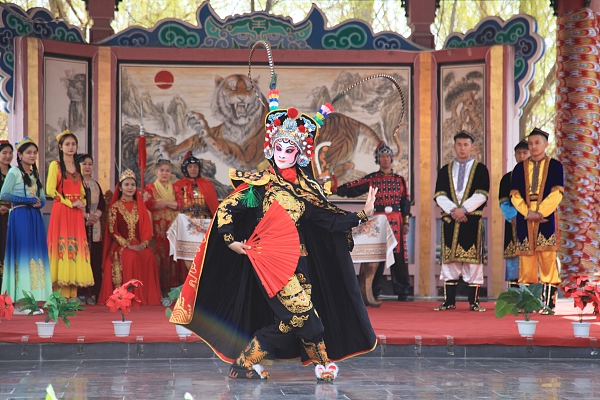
x: 26, y: 265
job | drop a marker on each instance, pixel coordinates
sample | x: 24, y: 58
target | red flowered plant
x: 6, y: 306
x: 122, y: 298
x: 583, y: 293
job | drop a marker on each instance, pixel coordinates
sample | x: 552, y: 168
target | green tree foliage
x: 382, y: 15
x: 460, y: 16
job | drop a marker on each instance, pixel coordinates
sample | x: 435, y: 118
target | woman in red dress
x: 126, y: 252
x: 159, y: 198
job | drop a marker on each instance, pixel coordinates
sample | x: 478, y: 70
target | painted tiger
x: 238, y: 141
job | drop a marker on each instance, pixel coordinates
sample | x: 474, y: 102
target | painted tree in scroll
x: 460, y: 16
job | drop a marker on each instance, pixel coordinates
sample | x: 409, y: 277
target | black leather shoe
x: 476, y: 307
x: 444, y: 307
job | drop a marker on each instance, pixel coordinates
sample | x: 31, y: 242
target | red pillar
x: 563, y: 7
x: 421, y: 14
x: 101, y: 12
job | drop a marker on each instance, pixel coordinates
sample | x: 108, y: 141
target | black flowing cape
x: 223, y: 302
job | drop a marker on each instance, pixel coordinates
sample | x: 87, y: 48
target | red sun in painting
x: 164, y: 79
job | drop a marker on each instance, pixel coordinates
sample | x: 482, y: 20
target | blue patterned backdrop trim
x: 35, y: 22
x: 241, y: 31
x: 520, y: 32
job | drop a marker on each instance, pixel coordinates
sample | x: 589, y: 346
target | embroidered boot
x: 474, y: 299
x: 247, y: 366
x: 549, y: 298
x: 325, y: 370
x: 449, y: 296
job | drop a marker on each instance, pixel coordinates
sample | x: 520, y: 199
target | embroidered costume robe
x: 535, y: 237
x: 463, y: 242
x: 223, y: 290
x: 392, y: 192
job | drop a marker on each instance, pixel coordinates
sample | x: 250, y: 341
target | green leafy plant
x: 173, y: 295
x: 524, y: 299
x: 56, y: 307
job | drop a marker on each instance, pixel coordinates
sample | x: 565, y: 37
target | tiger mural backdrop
x: 214, y: 113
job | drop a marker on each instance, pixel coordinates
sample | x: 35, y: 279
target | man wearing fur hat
x: 461, y: 191
x: 393, y: 201
x: 536, y: 190
x: 195, y: 195
x: 511, y: 275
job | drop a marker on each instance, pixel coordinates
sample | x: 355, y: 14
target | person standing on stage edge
x: 511, y: 275
x: 461, y: 191
x: 536, y: 190
x: 393, y: 201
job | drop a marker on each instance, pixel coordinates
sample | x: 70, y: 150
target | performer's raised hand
x: 239, y: 247
x: 370, y: 202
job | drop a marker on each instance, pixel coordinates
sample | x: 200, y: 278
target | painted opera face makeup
x: 285, y: 154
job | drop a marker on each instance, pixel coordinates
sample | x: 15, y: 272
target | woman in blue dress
x: 26, y: 265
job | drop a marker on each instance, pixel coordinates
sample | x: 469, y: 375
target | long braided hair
x: 25, y: 174
x: 61, y: 160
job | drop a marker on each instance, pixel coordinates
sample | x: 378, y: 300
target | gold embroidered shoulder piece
x: 236, y: 177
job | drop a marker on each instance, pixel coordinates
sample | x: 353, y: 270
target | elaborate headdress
x: 383, y: 148
x: 288, y: 125
x: 189, y: 159
x: 297, y: 128
x: 24, y: 141
x: 538, y: 131
x: 127, y: 174
x: 65, y: 132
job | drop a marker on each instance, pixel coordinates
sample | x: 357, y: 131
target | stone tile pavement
x: 360, y: 378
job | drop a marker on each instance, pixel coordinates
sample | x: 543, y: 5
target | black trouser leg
x: 474, y: 298
x: 377, y: 280
x: 549, y: 295
x: 400, y: 277
x: 449, y: 296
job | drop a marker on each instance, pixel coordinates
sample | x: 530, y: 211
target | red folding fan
x: 274, y: 249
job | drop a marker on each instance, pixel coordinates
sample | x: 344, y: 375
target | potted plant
x: 583, y: 293
x: 121, y: 300
x: 173, y: 295
x: 56, y: 307
x: 6, y: 306
x: 525, y: 300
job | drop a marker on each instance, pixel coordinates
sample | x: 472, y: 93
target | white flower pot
x: 581, y: 329
x: 45, y: 329
x: 122, y: 328
x: 182, y: 331
x: 526, y: 328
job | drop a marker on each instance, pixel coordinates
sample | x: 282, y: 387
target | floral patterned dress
x: 67, y: 239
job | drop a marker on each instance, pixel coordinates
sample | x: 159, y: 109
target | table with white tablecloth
x: 374, y: 241
x: 185, y: 235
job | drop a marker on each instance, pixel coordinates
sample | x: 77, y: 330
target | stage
x: 407, y: 329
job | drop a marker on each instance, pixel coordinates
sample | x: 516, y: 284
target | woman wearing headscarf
x: 126, y: 253
x: 159, y: 198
